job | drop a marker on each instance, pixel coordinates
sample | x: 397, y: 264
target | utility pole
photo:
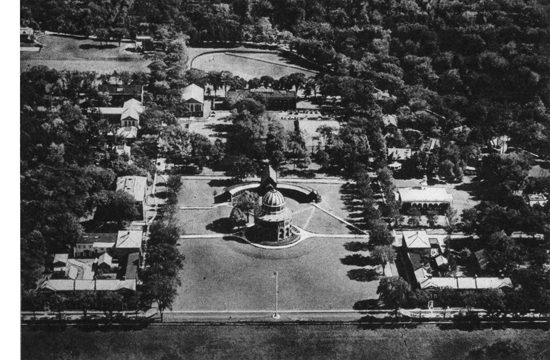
x: 276, y: 316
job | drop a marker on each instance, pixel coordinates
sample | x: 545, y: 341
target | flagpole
x: 276, y: 316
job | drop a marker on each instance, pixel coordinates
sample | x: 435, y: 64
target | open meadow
x: 249, y: 65
x: 70, y: 53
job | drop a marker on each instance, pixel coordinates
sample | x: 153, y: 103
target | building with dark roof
x: 121, y: 93
x: 275, y: 99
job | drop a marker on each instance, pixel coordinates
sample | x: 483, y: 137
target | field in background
x: 68, y: 53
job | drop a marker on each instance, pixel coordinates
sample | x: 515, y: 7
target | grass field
x: 67, y: 53
x: 225, y: 274
x: 229, y: 275
x: 275, y: 342
x: 250, y: 66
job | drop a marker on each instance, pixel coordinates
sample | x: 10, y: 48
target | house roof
x: 133, y: 185
x: 536, y: 197
x: 111, y: 110
x: 105, y: 259
x: 123, y: 149
x: 131, y: 265
x: 79, y: 270
x: 416, y: 239
x: 26, y: 31
x: 399, y: 153
x: 389, y: 120
x: 463, y: 283
x: 426, y: 194
x: 269, y: 173
x: 481, y: 257
x: 193, y: 92
x: 62, y: 258
x: 91, y: 238
x: 270, y: 94
x: 416, y: 260
x: 129, y: 239
x: 100, y: 285
x: 127, y: 132
x: 499, y: 141
x: 114, y: 285
x: 119, y: 89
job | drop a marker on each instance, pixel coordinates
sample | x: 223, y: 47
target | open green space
x: 248, y: 65
x: 275, y: 342
x: 68, y: 53
x: 226, y: 274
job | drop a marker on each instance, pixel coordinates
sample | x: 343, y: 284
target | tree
x: 176, y: 53
x: 393, y: 291
x: 502, y: 175
x: 108, y: 302
x: 414, y: 216
x: 32, y: 300
x: 383, y: 255
x: 246, y: 202
x: 163, y: 232
x: 85, y: 300
x: 238, y: 217
x: 380, y: 235
x: 241, y: 167
x: 102, y: 35
x: 164, y: 259
x: 116, y: 206
x: 174, y: 183
x: 215, y: 80
x: 59, y: 303
x: 161, y: 289
x: 503, y: 253
x: 118, y: 34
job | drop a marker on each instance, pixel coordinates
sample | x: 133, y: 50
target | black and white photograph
x: 279, y: 179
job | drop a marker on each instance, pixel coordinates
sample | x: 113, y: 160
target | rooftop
x: 129, y: 239
x: 399, y: 153
x: 133, y: 185
x: 127, y: 132
x: 425, y: 194
x: 272, y: 94
x: 193, y: 92
x: 97, y: 237
x: 416, y: 239
x: 389, y: 120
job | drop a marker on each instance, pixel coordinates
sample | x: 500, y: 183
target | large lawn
x: 225, y: 274
x: 248, y: 65
x: 67, y: 53
x: 276, y: 342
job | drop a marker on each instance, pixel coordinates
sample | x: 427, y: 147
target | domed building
x: 273, y: 219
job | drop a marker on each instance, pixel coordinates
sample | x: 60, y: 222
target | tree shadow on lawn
x: 358, y: 260
x: 471, y: 188
x: 356, y: 246
x: 366, y: 305
x: 221, y: 130
x: 220, y: 183
x: 363, y: 275
x: 96, y: 46
x: 222, y: 226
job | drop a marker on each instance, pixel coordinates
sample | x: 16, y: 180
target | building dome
x: 273, y: 198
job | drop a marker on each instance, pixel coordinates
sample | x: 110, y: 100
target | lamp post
x: 276, y: 316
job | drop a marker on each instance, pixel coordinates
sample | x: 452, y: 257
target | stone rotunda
x: 273, y: 220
